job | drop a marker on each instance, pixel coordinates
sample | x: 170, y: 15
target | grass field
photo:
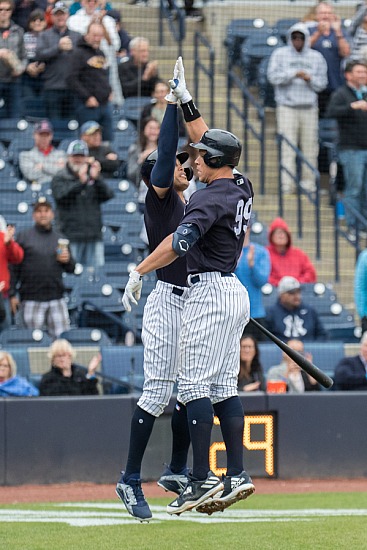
x: 298, y: 521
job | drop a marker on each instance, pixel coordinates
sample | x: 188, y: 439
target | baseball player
x: 215, y: 311
x: 166, y: 180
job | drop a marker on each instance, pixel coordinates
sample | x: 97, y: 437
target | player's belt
x: 196, y: 278
x: 177, y: 291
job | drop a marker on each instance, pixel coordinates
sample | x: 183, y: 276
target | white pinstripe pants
x: 160, y: 334
x: 216, y: 311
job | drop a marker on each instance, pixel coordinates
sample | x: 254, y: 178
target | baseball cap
x: 44, y: 126
x: 78, y: 147
x: 288, y: 284
x: 89, y: 127
x: 60, y: 6
x: 41, y: 201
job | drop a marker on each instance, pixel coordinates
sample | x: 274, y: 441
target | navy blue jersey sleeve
x: 164, y: 169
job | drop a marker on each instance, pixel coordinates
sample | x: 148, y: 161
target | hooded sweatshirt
x: 284, y: 64
x: 293, y: 261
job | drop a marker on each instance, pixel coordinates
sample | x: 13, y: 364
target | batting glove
x: 171, y: 96
x: 132, y: 288
x: 178, y: 83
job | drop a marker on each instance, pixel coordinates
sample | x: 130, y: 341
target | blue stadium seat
x: 20, y: 356
x: 238, y: 31
x: 266, y: 90
x: 133, y: 106
x: 341, y: 326
x: 19, y: 142
x: 283, y: 26
x: 17, y: 212
x: 124, y: 135
x: 86, y: 337
x: 11, y: 128
x: 124, y: 363
x: 254, y: 50
x: 24, y: 337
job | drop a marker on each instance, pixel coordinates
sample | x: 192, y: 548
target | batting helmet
x: 147, y: 166
x: 222, y: 148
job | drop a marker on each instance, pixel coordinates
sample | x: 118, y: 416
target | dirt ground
x: 77, y: 492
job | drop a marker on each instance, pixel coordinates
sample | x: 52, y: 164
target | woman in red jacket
x: 10, y: 253
x: 287, y: 259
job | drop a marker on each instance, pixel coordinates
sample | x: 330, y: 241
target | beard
x: 75, y: 168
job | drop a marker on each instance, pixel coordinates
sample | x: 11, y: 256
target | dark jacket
x: 39, y: 276
x: 352, y: 123
x: 108, y: 166
x: 131, y: 83
x: 78, y: 206
x: 88, y: 73
x: 12, y: 39
x: 54, y: 383
x: 350, y: 374
x: 56, y: 60
x: 302, y: 323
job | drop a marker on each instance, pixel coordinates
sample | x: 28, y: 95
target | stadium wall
x: 61, y: 440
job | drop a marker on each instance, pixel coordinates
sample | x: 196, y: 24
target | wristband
x: 190, y: 111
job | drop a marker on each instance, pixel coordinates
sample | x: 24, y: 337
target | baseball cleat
x: 236, y: 488
x: 195, y: 493
x: 173, y: 482
x: 131, y: 494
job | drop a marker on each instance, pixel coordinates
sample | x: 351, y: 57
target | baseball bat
x: 304, y: 363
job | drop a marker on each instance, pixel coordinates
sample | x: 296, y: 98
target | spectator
x: 290, y: 317
x: 297, y: 74
x: 328, y: 38
x: 138, y: 75
x: 23, y: 9
x: 285, y: 258
x: 10, y: 253
x: 38, y: 279
x: 65, y: 377
x: 125, y: 38
x: 358, y: 30
x: 88, y: 78
x: 253, y: 270
x: 78, y: 191
x: 43, y: 161
x: 91, y: 133
x: 360, y: 288
x: 138, y: 152
x: 296, y: 380
x: 348, y: 105
x: 93, y: 12
x: 157, y: 107
x: 55, y: 48
x: 2, y: 304
x: 32, y: 82
x: 76, y: 6
x: 12, y: 385
x: 351, y: 372
x: 251, y: 376
x: 13, y: 61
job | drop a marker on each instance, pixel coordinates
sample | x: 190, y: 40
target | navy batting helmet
x: 222, y: 148
x: 147, y: 166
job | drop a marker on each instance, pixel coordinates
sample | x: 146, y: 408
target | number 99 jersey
x: 221, y: 211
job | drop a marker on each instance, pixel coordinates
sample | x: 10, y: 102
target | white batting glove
x: 132, y: 288
x: 178, y: 83
x: 171, y: 96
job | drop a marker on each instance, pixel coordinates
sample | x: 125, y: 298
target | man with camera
x: 78, y: 191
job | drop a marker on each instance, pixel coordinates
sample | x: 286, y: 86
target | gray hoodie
x: 284, y: 64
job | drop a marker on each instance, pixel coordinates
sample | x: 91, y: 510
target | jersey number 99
x: 242, y: 216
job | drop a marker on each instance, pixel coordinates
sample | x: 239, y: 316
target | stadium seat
x: 254, y: 50
x: 238, y: 31
x: 65, y: 130
x: 10, y: 128
x: 124, y: 363
x: 266, y: 90
x: 124, y: 135
x: 20, y: 356
x: 18, y: 143
x: 24, y: 337
x: 283, y: 26
x: 341, y: 325
x: 86, y: 337
x: 132, y: 108
x: 17, y: 212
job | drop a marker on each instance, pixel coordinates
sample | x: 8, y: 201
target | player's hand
x: 133, y: 288
x: 170, y: 97
x: 178, y: 83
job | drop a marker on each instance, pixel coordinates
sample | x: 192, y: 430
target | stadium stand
x: 124, y: 363
x: 85, y: 336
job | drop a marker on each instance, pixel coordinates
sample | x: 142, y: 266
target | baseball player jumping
x: 215, y: 311
x: 166, y: 179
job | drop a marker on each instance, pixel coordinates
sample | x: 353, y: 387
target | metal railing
x: 233, y: 81
x: 207, y: 69
x: 175, y: 17
x: 313, y: 197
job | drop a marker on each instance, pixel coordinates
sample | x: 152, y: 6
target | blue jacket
x: 302, y: 323
x: 253, y: 278
x: 350, y: 374
x: 17, y: 387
